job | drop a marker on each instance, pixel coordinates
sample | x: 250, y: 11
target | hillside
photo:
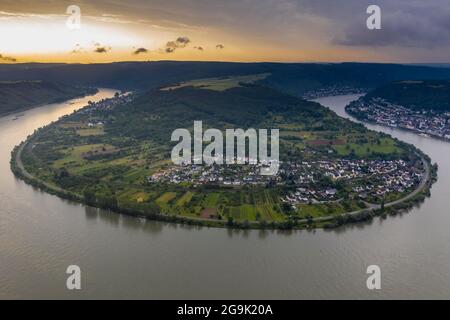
x: 292, y: 78
x: 20, y: 95
x: 116, y: 154
x: 416, y: 95
x: 421, y: 106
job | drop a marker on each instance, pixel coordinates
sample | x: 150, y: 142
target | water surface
x: 124, y: 257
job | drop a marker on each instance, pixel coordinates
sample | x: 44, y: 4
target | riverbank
x: 417, y: 132
x: 373, y: 210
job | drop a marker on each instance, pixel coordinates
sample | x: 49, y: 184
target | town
x: 380, y: 111
x: 107, y: 104
x: 309, y: 181
x: 214, y: 153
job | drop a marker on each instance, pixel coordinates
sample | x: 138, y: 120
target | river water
x: 124, y: 257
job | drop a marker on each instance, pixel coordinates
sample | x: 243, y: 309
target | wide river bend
x: 124, y: 257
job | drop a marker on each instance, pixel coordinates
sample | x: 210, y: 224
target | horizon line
x: 222, y: 61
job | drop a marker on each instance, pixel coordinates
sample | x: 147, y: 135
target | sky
x: 412, y: 31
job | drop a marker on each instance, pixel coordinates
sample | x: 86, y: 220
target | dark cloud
x: 199, y: 48
x: 308, y: 24
x: 183, y: 40
x: 101, y: 49
x: 7, y: 58
x: 140, y: 50
x: 180, y: 42
x: 220, y: 46
x: 410, y: 28
x: 405, y: 23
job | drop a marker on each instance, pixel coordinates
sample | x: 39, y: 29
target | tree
x: 286, y: 207
x: 89, y: 197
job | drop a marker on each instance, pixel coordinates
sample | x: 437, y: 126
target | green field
x: 184, y: 199
x: 219, y: 84
x: 90, y: 132
x: 384, y: 146
x: 165, y: 198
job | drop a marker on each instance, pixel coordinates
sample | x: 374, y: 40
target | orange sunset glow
x: 285, y: 31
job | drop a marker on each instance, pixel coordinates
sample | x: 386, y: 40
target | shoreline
x: 417, y: 196
x: 417, y: 132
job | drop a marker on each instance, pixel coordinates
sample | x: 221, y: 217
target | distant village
x: 365, y: 178
x: 107, y: 104
x: 380, y: 111
x: 332, y: 91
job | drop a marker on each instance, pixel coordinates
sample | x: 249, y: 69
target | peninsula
x: 115, y: 154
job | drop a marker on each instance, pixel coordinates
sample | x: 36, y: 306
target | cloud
x: 406, y: 28
x: 10, y: 14
x: 77, y: 49
x: 199, y: 48
x: 180, y: 42
x: 140, y: 50
x: 405, y: 23
x: 101, y: 49
x: 412, y: 30
x: 7, y: 58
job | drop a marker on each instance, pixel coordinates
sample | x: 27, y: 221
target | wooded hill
x: 292, y: 78
x: 416, y: 95
x: 16, y: 96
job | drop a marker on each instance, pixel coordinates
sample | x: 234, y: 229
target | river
x: 123, y: 257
